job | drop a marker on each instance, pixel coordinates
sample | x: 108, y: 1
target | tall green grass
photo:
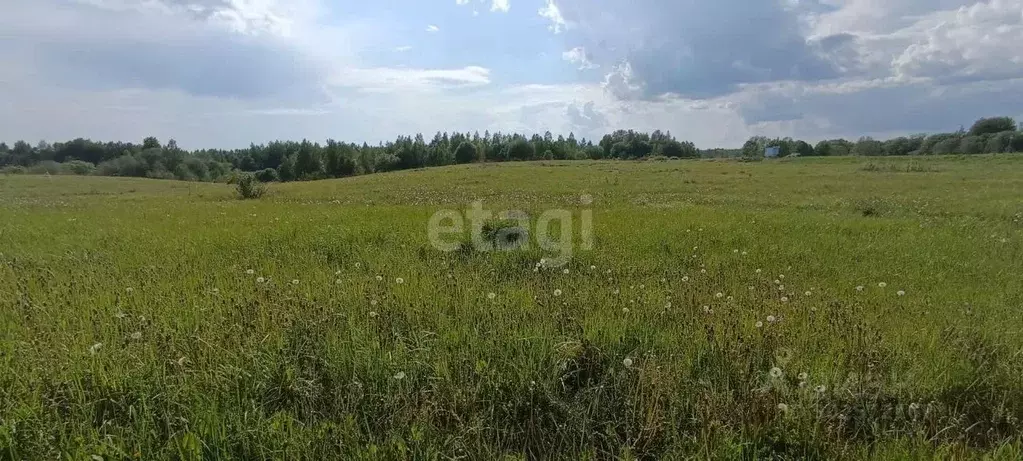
x: 728, y: 310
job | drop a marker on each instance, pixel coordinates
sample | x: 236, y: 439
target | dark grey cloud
x: 702, y: 49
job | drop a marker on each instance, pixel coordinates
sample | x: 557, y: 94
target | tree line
x: 307, y: 160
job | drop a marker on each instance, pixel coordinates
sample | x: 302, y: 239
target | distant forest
x: 306, y: 160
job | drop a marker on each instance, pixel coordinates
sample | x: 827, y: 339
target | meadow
x: 814, y: 308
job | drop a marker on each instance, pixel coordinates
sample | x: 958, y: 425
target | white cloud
x: 402, y: 49
x: 579, y: 57
x: 500, y: 5
x: 405, y: 79
x: 432, y: 28
x: 552, y: 13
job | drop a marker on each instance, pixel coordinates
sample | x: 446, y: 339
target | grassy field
x: 840, y: 308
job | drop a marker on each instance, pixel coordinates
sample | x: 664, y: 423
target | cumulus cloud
x: 578, y: 57
x: 502, y: 6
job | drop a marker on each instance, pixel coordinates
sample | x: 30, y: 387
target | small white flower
x: 557, y: 292
x: 882, y: 284
x: 373, y: 314
x: 860, y: 288
x: 784, y: 299
x: 642, y: 286
x: 781, y: 287
x: 260, y: 280
x: 216, y: 291
x: 760, y: 324
x: 294, y: 282
x: 625, y: 310
x: 380, y: 278
x: 759, y: 271
x: 808, y: 293
x: 94, y: 349
x: 735, y: 251
x: 593, y: 268
x: 703, y: 271
x: 820, y: 389
x: 776, y: 373
x: 803, y: 376
x: 771, y: 318
x: 783, y: 407
x: 565, y: 271
x: 730, y: 298
x: 685, y: 278
x: 338, y: 281
x: 777, y: 282
x: 373, y: 302
x: 667, y: 305
x: 358, y: 265
x: 744, y: 253
x: 782, y: 275
x: 399, y: 280
x: 337, y: 273
x: 901, y: 293
x: 708, y: 310
x: 719, y: 295
x: 136, y: 335
x: 250, y: 272
x: 129, y: 289
x: 491, y: 296
x: 627, y: 362
x: 399, y: 375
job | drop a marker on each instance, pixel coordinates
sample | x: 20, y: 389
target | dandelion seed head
x: 565, y: 272
x: 771, y: 318
x: 759, y: 324
x: 820, y: 389
x: 776, y: 373
x: 882, y: 284
x: 294, y: 282
x: 399, y: 375
x: 380, y: 278
x: 491, y: 296
x: 719, y: 295
x: 250, y: 272
x: 136, y: 335
x: 783, y: 407
x: 901, y: 293
x: 803, y: 376
x: 627, y: 362
x: 260, y: 280
x: 557, y: 292
x: 399, y: 280
x: 860, y: 288
x: 94, y: 349
x: 373, y: 314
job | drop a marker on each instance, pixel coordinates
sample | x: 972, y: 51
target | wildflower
x: 399, y: 280
x: 759, y: 271
x: 94, y: 349
x: 803, y: 376
x: 730, y: 298
x: 781, y: 287
x: 760, y: 324
x: 914, y: 407
x: 491, y: 296
x: 557, y: 292
x: 707, y: 309
x: 627, y: 362
x: 136, y: 335
x: 685, y: 278
x: 260, y: 280
x: 782, y: 275
x: 882, y: 284
x: 565, y: 272
x: 776, y: 373
x: 777, y: 282
x: 668, y: 305
x: 901, y: 293
x: 784, y: 299
x: 860, y: 288
x: 703, y: 271
x: 373, y: 302
x: 250, y: 272
x: 625, y: 310
x: 373, y: 314
x: 719, y: 295
x: 593, y: 268
x: 358, y: 265
x: 783, y: 407
x: 129, y: 289
x: 399, y: 375
x: 380, y: 278
x: 771, y: 318
x: 642, y: 286
x: 294, y: 282
x: 808, y: 293
x: 744, y: 253
x: 820, y: 389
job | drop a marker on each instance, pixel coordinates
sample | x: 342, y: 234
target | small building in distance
x: 772, y: 152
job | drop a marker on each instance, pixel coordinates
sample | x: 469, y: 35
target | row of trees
x: 986, y: 136
x: 291, y: 160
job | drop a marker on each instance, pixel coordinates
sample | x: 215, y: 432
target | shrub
x: 250, y: 188
x: 78, y: 167
x: 13, y: 169
x: 267, y: 175
x: 45, y: 167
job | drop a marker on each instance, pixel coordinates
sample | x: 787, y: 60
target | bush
x: 13, y: 169
x: 78, y: 167
x: 45, y: 167
x: 267, y: 175
x: 250, y: 188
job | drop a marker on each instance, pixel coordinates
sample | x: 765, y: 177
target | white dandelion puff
x: 129, y: 289
x: 627, y: 362
x: 703, y: 271
x: 685, y: 278
x: 777, y: 282
x: 719, y: 295
x: 820, y: 389
x: 901, y: 293
x: 380, y: 278
x: 557, y: 292
x: 771, y: 318
x: 399, y: 375
x: 94, y: 349
x: 373, y: 314
x: 250, y: 272
x: 759, y: 324
x: 882, y: 285
x: 491, y: 296
x: 565, y: 271
x: 642, y: 286
x: 399, y: 280
x: 783, y: 407
x: 803, y: 376
x: 136, y: 335
x: 776, y: 373
x: 784, y: 299
x: 860, y: 288
x: 759, y: 271
x: 260, y: 280
x: 294, y: 282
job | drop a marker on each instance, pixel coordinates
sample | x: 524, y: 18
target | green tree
x: 150, y: 143
x: 992, y: 125
x: 466, y: 153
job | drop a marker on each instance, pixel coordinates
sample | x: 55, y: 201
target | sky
x: 227, y: 73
